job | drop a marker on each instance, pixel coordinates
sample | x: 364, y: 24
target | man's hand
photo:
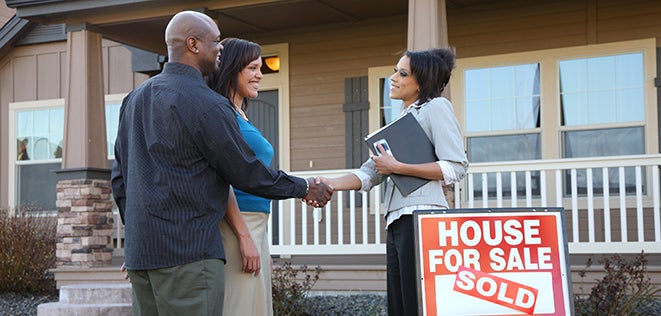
x: 319, y: 194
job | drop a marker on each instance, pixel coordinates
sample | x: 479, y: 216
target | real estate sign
x: 493, y: 262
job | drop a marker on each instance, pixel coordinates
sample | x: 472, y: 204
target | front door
x: 263, y: 113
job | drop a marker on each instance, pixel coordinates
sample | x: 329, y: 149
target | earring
x: 196, y: 51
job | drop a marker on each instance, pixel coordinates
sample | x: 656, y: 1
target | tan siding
x: 514, y: 26
x: 139, y: 78
x: 48, y: 75
x: 320, y: 60
x: 630, y: 20
x: 39, y: 72
x: 64, y: 72
x: 6, y: 94
x: 508, y: 26
x: 25, y: 71
x: 39, y: 67
x: 120, y: 77
x: 104, y: 62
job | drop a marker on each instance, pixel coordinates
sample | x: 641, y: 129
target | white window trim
x: 13, y: 108
x: 374, y: 76
x: 550, y: 87
x: 35, y: 105
x: 113, y: 98
x: 280, y: 81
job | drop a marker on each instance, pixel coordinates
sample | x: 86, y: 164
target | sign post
x: 493, y: 262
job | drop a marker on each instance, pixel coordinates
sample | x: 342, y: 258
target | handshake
x: 320, y: 192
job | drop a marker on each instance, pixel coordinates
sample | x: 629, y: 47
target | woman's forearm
x: 346, y: 182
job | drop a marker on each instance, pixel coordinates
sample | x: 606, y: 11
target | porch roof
x: 11, y: 32
x: 141, y: 23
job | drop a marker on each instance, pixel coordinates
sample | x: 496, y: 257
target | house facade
x: 558, y: 101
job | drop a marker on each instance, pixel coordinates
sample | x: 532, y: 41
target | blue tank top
x: 264, y: 151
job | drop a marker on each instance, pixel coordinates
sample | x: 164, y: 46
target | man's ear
x: 191, y: 44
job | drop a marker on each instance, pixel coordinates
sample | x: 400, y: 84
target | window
x: 389, y: 109
x: 37, y: 128
x: 113, y: 103
x: 602, y: 90
x: 503, y: 119
x: 379, y: 90
x: 587, y: 101
x: 603, y: 112
x: 38, y: 134
x: 383, y: 109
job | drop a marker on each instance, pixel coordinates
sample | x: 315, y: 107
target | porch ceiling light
x: 273, y: 63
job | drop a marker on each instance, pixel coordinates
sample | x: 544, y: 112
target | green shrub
x: 27, y: 251
x: 626, y: 289
x: 290, y: 291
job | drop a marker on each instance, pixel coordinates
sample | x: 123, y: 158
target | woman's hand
x: 385, y: 163
x: 249, y: 255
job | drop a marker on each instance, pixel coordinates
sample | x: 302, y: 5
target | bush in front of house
x: 626, y: 289
x: 27, y: 251
x: 289, y: 290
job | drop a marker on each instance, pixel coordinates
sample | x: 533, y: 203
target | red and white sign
x: 495, y: 263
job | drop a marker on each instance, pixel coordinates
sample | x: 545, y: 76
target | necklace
x: 243, y: 114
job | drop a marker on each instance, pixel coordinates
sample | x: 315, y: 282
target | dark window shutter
x: 356, y: 108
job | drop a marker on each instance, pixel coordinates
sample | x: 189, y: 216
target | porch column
x: 427, y: 28
x: 428, y: 24
x: 84, y: 197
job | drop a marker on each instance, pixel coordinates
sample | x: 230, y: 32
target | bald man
x: 178, y: 149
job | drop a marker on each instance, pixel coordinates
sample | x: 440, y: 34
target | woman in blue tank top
x: 247, y: 290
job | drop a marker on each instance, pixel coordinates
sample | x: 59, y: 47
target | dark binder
x: 408, y: 143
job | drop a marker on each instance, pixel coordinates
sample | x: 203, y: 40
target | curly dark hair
x: 432, y: 68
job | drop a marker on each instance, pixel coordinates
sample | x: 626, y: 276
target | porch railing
x: 611, y: 206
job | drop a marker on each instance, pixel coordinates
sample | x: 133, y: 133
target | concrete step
x: 96, y: 293
x: 90, y: 300
x: 61, y: 309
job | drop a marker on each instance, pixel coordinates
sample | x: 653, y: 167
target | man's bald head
x: 186, y: 34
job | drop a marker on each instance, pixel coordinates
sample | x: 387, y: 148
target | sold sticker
x: 497, y: 290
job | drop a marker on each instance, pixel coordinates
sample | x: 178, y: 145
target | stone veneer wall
x: 84, y: 223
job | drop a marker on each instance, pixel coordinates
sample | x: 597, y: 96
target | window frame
x: 16, y: 107
x: 114, y: 99
x: 551, y: 129
x: 374, y: 76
